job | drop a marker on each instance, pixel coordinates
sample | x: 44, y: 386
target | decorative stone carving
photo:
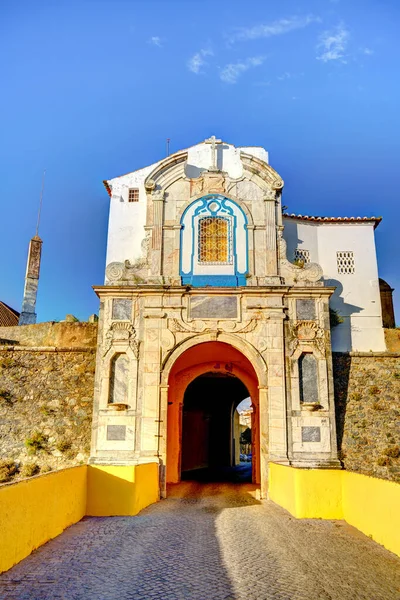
x: 209, y: 182
x: 167, y: 339
x: 121, y: 331
x: 150, y: 185
x: 277, y: 184
x: 310, y: 273
x: 214, y: 326
x: 308, y: 334
x: 134, y: 272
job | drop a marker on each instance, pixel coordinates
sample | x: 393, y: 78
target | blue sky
x: 92, y: 89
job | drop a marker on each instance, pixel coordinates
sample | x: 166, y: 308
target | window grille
x: 302, y: 255
x: 215, y: 243
x: 133, y: 195
x: 345, y: 262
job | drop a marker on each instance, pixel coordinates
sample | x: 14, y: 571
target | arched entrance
x: 205, y: 384
x: 211, y: 429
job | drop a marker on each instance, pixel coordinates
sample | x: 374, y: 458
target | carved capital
x: 277, y: 184
x: 150, y: 185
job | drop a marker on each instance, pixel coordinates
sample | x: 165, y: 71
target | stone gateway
x: 213, y: 294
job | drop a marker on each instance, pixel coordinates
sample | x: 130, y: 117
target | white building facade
x: 206, y: 277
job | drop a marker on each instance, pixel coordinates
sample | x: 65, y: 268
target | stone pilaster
x: 156, y: 241
x: 270, y: 236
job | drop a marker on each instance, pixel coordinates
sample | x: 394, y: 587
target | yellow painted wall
x: 369, y: 504
x: 281, y: 487
x: 36, y: 510
x: 121, y: 490
x: 373, y: 506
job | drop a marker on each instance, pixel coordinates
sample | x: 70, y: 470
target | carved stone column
x: 156, y: 242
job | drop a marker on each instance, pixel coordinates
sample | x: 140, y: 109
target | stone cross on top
x: 213, y: 141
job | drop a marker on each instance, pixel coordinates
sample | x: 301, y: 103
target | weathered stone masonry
x: 367, y: 400
x: 46, y: 394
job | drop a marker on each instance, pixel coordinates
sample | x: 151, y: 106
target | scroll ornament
x: 309, y: 273
x: 199, y: 326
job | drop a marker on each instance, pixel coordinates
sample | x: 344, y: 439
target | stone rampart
x: 59, y: 335
x: 392, y: 339
x: 367, y: 398
x: 46, y: 396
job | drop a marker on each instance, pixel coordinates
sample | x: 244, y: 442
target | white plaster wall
x: 200, y: 159
x: 300, y: 234
x: 126, y: 219
x: 357, y: 295
x: 256, y: 151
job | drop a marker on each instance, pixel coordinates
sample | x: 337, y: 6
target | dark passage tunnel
x: 208, y: 436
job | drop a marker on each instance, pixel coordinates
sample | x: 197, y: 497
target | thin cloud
x: 155, y: 40
x: 231, y: 72
x: 266, y: 30
x: 197, y: 61
x: 333, y: 43
x: 367, y: 51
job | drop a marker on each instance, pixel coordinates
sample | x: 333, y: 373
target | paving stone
x: 208, y: 542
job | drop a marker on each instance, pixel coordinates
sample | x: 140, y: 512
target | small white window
x: 133, y: 195
x: 301, y: 255
x: 345, y: 262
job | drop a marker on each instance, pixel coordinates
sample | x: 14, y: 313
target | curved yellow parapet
x: 369, y: 504
x: 373, y: 506
x: 35, y: 510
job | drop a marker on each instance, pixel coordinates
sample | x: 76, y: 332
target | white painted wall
x: 357, y: 295
x: 126, y: 219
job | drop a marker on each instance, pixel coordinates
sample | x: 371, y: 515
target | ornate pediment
x: 209, y: 182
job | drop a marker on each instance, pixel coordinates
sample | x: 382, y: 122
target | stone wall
x: 392, y: 339
x: 367, y: 394
x: 46, y: 396
x: 59, y: 335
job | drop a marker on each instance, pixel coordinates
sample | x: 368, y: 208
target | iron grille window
x: 302, y: 255
x: 133, y: 195
x: 215, y: 241
x: 345, y: 262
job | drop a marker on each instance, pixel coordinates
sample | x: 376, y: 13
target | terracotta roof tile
x: 375, y: 220
x: 8, y: 316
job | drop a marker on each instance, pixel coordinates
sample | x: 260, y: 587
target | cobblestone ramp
x: 208, y: 542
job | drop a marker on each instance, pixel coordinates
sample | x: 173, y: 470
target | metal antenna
x: 168, y: 141
x: 40, y: 203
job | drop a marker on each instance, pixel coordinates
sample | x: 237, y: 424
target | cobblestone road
x: 207, y: 542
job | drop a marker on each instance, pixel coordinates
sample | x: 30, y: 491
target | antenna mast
x: 168, y: 141
x: 40, y: 203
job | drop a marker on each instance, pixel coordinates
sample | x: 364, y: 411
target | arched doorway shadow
x: 212, y: 361
x: 211, y: 430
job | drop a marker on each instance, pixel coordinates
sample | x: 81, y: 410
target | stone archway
x: 197, y: 358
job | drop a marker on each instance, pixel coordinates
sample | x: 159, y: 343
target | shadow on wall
x: 341, y: 376
x: 342, y: 333
x: 193, y: 172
